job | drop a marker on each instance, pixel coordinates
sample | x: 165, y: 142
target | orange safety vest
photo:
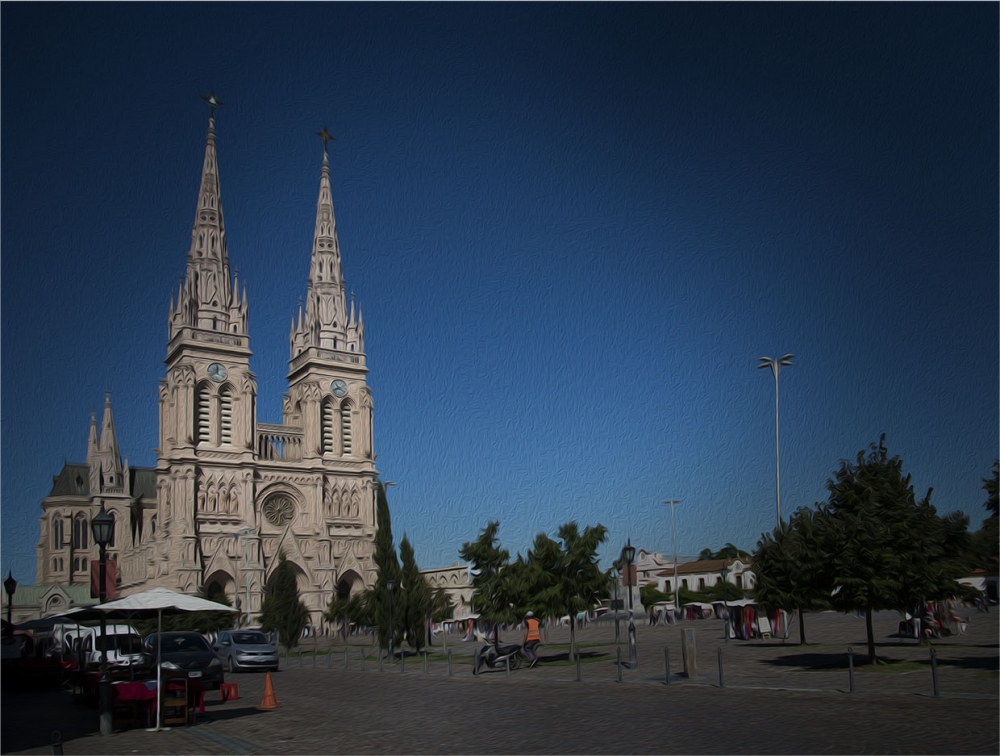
x: 532, y: 633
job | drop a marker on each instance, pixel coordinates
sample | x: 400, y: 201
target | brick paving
x: 779, y: 698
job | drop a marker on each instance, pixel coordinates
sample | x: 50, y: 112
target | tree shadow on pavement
x: 818, y: 660
x: 216, y: 716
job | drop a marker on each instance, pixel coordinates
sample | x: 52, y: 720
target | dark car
x: 241, y: 650
x: 190, y: 652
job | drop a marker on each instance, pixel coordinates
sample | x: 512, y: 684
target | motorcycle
x: 497, y: 658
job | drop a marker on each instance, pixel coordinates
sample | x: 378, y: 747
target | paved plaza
x: 778, y: 698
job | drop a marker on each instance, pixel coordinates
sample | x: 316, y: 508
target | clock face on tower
x: 217, y: 372
x: 338, y: 387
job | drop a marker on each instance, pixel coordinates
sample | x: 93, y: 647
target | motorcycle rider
x: 532, y: 638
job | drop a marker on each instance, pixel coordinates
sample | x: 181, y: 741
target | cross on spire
x: 326, y: 136
x: 213, y: 102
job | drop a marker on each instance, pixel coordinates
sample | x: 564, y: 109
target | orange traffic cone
x: 269, y: 702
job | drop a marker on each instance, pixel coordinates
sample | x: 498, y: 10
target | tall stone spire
x: 325, y: 323
x: 206, y: 297
x: 107, y: 474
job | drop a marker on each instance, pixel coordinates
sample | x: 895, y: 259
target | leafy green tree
x: 386, y: 569
x: 792, y: 566
x: 489, y: 560
x: 726, y: 552
x: 282, y: 610
x: 886, y: 549
x: 564, y: 577
x: 650, y: 594
x: 358, y: 609
x: 415, y: 597
x: 987, y: 538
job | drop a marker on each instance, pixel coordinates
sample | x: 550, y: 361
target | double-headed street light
x: 103, y: 527
x: 628, y: 554
x: 10, y: 587
x: 776, y: 365
x: 673, y: 536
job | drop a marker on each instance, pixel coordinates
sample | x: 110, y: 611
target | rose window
x: 279, y: 511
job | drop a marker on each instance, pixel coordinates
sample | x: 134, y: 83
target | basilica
x: 228, y: 493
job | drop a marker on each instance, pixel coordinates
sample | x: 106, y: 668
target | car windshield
x: 126, y: 644
x: 183, y: 643
x: 249, y: 639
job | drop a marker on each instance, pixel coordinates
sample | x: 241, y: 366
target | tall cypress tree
x: 386, y: 568
x: 282, y: 610
x: 416, y: 597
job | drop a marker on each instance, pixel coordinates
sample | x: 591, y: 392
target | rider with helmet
x: 532, y: 638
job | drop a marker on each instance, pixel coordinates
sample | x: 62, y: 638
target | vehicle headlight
x: 215, y: 663
x: 169, y: 665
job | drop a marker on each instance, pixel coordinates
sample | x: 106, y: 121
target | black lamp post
x: 388, y: 586
x: 102, y: 527
x: 628, y: 554
x: 725, y: 600
x: 617, y: 629
x: 10, y: 586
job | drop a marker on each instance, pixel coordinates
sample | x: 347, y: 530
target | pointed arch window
x: 81, y: 532
x: 203, y: 422
x: 327, y: 425
x: 345, y: 427
x: 226, y: 415
x: 57, y: 532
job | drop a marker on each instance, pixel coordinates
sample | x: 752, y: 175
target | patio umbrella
x: 152, y: 603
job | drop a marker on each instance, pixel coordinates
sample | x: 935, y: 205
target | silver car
x: 242, y: 650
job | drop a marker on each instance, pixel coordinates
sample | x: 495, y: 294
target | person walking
x: 532, y: 638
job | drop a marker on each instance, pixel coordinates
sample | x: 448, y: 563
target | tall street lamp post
x: 673, y: 537
x: 628, y: 554
x: 617, y: 628
x: 725, y: 601
x: 776, y: 365
x: 10, y: 587
x: 388, y: 586
x: 103, y: 526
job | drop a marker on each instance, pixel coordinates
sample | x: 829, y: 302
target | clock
x: 338, y: 387
x: 217, y: 372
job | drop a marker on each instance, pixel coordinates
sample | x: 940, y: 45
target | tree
x: 282, y: 610
x: 987, y: 538
x: 358, y: 609
x: 726, y: 552
x: 564, y: 577
x: 488, y: 560
x: 415, y: 598
x: 792, y: 567
x: 887, y: 550
x: 386, y: 568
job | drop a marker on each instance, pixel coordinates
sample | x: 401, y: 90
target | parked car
x: 187, y: 651
x: 240, y: 650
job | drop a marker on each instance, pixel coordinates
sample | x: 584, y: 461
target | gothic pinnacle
x: 326, y: 136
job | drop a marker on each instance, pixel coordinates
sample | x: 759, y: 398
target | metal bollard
x: 329, y: 655
x: 362, y: 660
x: 618, y: 664
x: 57, y: 746
x: 508, y: 666
x: 402, y: 661
x: 425, y: 662
x: 449, y: 662
x: 934, y: 677
x: 722, y: 678
x: 380, y: 660
x: 666, y: 665
x: 578, y: 675
x: 850, y: 667
x: 346, y: 660
x: 300, y: 657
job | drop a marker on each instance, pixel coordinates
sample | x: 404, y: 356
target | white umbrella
x: 156, y: 601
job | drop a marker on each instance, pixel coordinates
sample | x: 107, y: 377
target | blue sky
x: 573, y: 230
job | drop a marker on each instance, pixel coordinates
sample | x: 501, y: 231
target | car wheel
x: 232, y: 667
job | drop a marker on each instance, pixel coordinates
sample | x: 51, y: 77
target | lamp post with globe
x: 103, y: 526
x: 628, y: 554
x: 10, y: 587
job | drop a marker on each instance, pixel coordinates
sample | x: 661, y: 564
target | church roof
x: 72, y: 480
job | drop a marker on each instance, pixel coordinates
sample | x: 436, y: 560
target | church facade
x: 228, y: 493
